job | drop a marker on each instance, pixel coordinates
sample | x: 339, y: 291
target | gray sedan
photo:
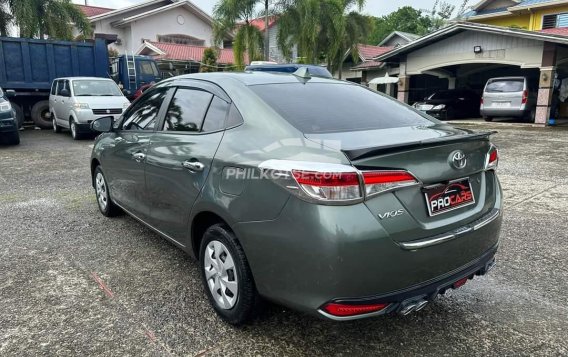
x: 317, y: 194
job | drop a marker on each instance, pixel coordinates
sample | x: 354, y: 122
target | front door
x: 126, y: 160
x: 180, y: 157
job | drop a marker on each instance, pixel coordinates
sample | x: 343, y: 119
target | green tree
x: 52, y: 18
x: 442, y: 12
x: 6, y: 18
x: 405, y: 19
x: 322, y: 29
x: 209, y: 60
x: 234, y: 16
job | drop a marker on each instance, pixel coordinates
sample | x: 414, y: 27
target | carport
x: 466, y: 55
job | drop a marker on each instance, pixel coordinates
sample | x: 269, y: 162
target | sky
x: 373, y: 7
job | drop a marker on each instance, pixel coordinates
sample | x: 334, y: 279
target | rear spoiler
x: 357, y: 154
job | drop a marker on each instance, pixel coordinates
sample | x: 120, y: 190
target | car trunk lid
x: 425, y: 152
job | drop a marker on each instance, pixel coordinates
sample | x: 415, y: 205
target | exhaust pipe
x: 413, y: 306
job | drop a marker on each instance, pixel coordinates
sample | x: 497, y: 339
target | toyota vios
x: 317, y: 194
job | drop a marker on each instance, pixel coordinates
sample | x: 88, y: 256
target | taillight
x: 481, y: 100
x: 344, y: 310
x: 333, y: 184
x: 381, y: 181
x: 525, y: 97
x: 492, y: 160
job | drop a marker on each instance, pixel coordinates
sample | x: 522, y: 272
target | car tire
x: 41, y: 114
x: 74, y: 130
x: 56, y: 128
x: 106, y: 205
x: 12, y: 138
x: 488, y: 119
x: 19, y: 114
x: 222, y: 260
x: 450, y: 114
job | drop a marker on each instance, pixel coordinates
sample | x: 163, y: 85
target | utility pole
x: 266, y: 34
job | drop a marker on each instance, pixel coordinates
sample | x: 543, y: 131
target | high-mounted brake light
x: 492, y: 160
x: 380, y: 181
x: 344, y: 310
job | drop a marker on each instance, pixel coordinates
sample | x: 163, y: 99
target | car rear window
x: 316, y: 108
x: 506, y: 86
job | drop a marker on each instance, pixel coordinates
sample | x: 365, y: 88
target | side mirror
x: 65, y: 93
x: 103, y: 125
x: 10, y: 93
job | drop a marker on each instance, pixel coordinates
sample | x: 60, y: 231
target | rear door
x: 180, y: 156
x: 504, y: 93
x: 61, y: 105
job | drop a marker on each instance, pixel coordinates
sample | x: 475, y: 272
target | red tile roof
x: 368, y: 52
x: 563, y: 31
x: 368, y: 64
x: 90, y: 11
x: 259, y: 23
x: 179, y: 52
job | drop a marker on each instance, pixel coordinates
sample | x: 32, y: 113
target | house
x: 398, y: 38
x: 532, y: 15
x: 176, y: 59
x: 168, y: 21
x: 274, y: 52
x: 467, y: 54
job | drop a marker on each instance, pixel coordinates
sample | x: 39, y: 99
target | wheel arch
x: 199, y: 224
x: 94, y: 164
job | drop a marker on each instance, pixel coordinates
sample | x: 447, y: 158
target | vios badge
x: 458, y: 160
x: 391, y: 214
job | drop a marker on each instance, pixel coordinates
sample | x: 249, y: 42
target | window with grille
x: 181, y: 40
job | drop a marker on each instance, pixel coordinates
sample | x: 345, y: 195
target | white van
x: 76, y: 101
x: 508, y: 97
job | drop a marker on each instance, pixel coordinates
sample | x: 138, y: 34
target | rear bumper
x: 503, y: 112
x: 427, y: 291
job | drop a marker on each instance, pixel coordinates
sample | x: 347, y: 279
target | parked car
x: 315, y: 70
x: 509, y: 97
x: 451, y: 104
x: 8, y: 120
x: 261, y: 178
x: 141, y: 90
x: 75, y: 102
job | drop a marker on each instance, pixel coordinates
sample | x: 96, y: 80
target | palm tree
x: 5, y: 18
x: 322, y: 29
x: 234, y: 16
x: 54, y: 18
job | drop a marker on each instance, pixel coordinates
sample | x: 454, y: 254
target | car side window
x: 53, y: 87
x: 216, y: 115
x: 144, y: 114
x: 63, y: 84
x: 234, y: 118
x: 187, y: 110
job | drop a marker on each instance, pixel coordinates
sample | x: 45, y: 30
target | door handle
x: 194, y: 166
x: 139, y: 157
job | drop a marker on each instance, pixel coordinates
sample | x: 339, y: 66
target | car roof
x: 83, y: 78
x: 257, y: 78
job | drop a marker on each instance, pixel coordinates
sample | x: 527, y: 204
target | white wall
x: 166, y: 23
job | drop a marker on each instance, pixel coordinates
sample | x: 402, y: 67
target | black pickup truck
x: 8, y: 124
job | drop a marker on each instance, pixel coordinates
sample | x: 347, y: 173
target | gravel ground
x: 75, y: 283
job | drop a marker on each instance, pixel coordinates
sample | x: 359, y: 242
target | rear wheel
x: 488, y: 118
x: 226, y: 276
x: 104, y: 201
x: 41, y: 114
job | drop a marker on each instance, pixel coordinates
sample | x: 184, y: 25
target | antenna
x: 303, y: 73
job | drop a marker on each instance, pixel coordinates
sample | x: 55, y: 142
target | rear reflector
x: 460, y: 283
x: 342, y: 310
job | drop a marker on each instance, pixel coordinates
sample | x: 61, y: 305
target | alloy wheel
x: 221, y: 275
x: 102, y: 192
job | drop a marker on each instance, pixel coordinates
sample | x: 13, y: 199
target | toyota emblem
x: 458, y: 159
x: 108, y: 111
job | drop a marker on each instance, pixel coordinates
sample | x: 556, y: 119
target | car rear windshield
x: 316, y: 108
x: 95, y: 88
x: 506, y: 86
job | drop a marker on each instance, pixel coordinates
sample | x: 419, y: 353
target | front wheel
x: 74, y: 130
x: 226, y: 275
x: 13, y: 138
x: 488, y: 119
x: 41, y: 114
x: 104, y: 201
